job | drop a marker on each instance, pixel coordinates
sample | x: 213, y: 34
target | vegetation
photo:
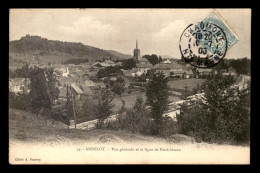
x: 153, y: 59
x: 108, y: 71
x: 19, y: 101
x: 157, y: 94
x: 22, y: 72
x: 224, y: 115
x: 118, y: 86
x: 104, y: 107
x: 53, y: 91
x: 75, y: 61
x: 39, y: 96
x: 242, y: 66
x: 43, y: 46
x: 128, y: 64
x: 134, y: 120
x: 43, y: 89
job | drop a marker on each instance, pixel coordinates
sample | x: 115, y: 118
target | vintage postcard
x: 129, y: 86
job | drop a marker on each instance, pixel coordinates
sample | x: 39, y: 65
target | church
x: 142, y: 64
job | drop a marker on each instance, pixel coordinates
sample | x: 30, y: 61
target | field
x: 48, y: 141
x: 178, y: 84
x: 130, y: 100
x: 190, y: 83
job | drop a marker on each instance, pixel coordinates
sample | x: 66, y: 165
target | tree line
x: 43, y: 89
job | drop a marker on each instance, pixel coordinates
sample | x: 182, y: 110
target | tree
x: 242, y: 66
x: 223, y: 115
x: 39, y: 96
x: 128, y: 64
x: 157, y: 94
x: 153, y: 59
x: 53, y: 91
x: 22, y: 72
x: 137, y: 120
x: 107, y: 71
x: 19, y: 101
x: 104, y: 106
x: 118, y: 86
x: 68, y: 107
x: 160, y: 59
x: 89, y: 108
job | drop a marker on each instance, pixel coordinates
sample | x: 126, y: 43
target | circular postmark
x: 203, y: 45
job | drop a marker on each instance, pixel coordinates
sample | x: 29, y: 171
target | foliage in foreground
x: 138, y: 120
x: 224, y: 116
x: 157, y: 94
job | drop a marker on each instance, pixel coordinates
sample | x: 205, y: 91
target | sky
x: 158, y: 31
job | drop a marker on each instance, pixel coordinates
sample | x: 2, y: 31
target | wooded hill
x: 52, y: 50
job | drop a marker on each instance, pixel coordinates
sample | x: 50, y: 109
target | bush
x: 135, y: 120
x: 19, y: 101
x: 168, y: 127
x: 223, y: 117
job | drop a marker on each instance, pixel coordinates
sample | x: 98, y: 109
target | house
x: 62, y: 71
x: 101, y: 65
x: 91, y: 73
x: 176, y: 69
x: 204, y: 71
x: 180, y: 73
x: 98, y: 85
x: 63, y: 81
x: 113, y: 78
x: 86, y: 89
x: 143, y: 67
x: 166, y: 72
x: 167, y: 61
x: 130, y: 73
x: 76, y: 91
x: 34, y: 63
x: 19, y: 85
x: 229, y: 73
x: 89, y: 83
x: 188, y: 74
x: 109, y: 62
x: 80, y: 73
x: 127, y: 73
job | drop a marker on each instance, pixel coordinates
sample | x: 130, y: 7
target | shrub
x: 168, y: 127
x: 135, y: 120
x: 223, y: 117
x: 19, y: 101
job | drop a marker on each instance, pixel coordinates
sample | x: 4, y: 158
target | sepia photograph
x: 129, y: 86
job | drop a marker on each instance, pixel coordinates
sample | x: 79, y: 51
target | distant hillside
x: 120, y: 55
x: 50, y: 50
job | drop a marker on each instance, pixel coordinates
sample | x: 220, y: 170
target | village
x: 83, y: 80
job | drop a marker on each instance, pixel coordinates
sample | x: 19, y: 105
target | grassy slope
x: 52, y: 142
x: 26, y: 127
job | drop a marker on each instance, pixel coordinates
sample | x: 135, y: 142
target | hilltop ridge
x: 45, y: 50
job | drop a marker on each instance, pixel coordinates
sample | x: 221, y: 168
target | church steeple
x: 137, y: 52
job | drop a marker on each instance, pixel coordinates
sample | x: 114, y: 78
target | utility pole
x: 67, y: 106
x: 75, y: 120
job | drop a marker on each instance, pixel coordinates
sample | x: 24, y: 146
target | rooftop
x: 168, y: 66
x: 76, y: 88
